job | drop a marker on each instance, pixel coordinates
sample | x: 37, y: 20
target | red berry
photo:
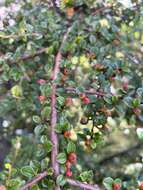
x: 116, y: 186
x: 41, y: 81
x: 141, y: 186
x: 137, y: 111
x: 2, y: 187
x: 68, y: 164
x: 68, y: 101
x: 41, y: 98
x: 82, y: 95
x: 68, y: 173
x: 72, y: 157
x: 86, y: 100
x: 67, y: 134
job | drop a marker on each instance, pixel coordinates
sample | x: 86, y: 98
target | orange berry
x: 41, y: 98
x: 67, y: 134
x: 70, y: 12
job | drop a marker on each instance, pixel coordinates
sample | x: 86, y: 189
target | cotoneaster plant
x: 69, y: 67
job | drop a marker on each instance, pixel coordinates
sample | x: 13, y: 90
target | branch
x: 90, y: 91
x: 99, y: 10
x: 34, y: 180
x: 53, y: 121
x: 83, y: 185
x: 72, y: 182
x: 15, y: 36
x: 26, y: 56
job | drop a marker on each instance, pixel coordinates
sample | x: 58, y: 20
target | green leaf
x: 14, y: 184
x: 108, y: 182
x: 36, y: 119
x: 128, y: 101
x: 28, y: 171
x: 86, y: 176
x: 61, y: 100
x: 48, y: 184
x: 62, y: 127
x: 45, y: 163
x: 118, y: 181
x: 35, y: 165
x: 35, y: 187
x: 47, y: 143
x: 50, y: 171
x: 61, y: 158
x: 16, y: 91
x: 61, y: 180
x: 93, y: 144
x: 45, y: 90
x: 71, y: 147
x: 136, y: 102
x: 140, y: 92
x: 38, y: 130
x: 140, y: 133
x: 45, y: 113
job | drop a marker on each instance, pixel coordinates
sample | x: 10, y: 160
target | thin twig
x: 89, y: 91
x: 15, y: 36
x: 57, y: 9
x: 35, y: 180
x: 83, y: 185
x: 25, y: 57
x: 38, y: 52
x: 99, y: 10
x: 72, y: 182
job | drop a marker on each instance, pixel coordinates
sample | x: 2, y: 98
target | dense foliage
x: 85, y: 56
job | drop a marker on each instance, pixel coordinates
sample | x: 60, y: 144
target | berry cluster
x: 84, y: 98
x: 72, y: 159
x: 41, y: 98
